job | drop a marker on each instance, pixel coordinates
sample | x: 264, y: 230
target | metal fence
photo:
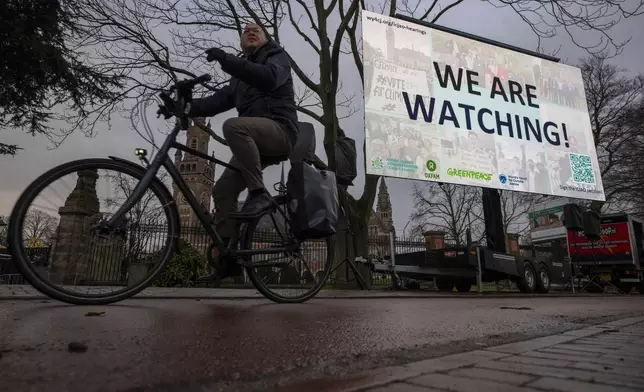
x: 110, y: 264
x: 9, y: 273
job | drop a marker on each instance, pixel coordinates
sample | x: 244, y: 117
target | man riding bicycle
x: 261, y: 89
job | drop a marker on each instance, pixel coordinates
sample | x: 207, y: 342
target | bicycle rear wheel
x: 75, y: 254
x: 300, y: 276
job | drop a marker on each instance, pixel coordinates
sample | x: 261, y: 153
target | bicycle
x: 134, y: 231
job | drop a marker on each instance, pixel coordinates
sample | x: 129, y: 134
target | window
x: 182, y: 168
x: 193, y: 143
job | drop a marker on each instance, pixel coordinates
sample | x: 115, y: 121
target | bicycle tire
x: 246, y: 243
x: 19, y: 212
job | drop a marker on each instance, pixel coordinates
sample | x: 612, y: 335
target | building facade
x: 198, y: 173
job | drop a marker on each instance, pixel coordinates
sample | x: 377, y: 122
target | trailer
x: 457, y: 267
x: 616, y: 258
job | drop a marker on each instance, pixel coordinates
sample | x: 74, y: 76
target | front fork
x: 117, y: 219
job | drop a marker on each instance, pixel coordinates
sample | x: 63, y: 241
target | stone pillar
x: 434, y: 239
x: 71, y: 253
x: 513, y: 244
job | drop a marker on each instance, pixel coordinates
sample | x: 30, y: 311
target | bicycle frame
x: 162, y: 159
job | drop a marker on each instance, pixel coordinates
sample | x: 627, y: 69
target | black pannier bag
x: 346, y: 161
x: 313, y: 201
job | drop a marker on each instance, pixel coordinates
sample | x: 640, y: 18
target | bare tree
x: 145, y: 219
x: 416, y: 232
x: 629, y: 175
x: 515, y: 207
x: 453, y: 208
x: 587, y: 23
x: 147, y: 211
x: 39, y: 226
x: 612, y: 97
x: 448, y: 208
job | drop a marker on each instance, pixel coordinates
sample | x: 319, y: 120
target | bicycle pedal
x: 208, y: 278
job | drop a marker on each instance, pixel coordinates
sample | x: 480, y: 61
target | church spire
x: 383, y: 186
x: 384, y: 201
x: 383, y: 209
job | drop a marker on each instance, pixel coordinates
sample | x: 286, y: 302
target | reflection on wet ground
x: 142, y: 343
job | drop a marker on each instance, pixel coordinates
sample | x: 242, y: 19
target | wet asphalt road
x: 234, y: 345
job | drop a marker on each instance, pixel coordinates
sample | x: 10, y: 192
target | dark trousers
x: 249, y: 138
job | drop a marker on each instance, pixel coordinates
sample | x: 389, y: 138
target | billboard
x: 441, y: 107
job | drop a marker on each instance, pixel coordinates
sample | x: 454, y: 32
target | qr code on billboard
x: 582, y: 169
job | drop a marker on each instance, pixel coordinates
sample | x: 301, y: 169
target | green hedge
x: 184, y: 268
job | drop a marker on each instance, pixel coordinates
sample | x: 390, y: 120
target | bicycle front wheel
x: 293, y: 277
x: 54, y: 241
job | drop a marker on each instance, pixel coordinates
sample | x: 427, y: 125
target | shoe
x: 256, y: 204
x: 229, y: 268
x: 224, y: 268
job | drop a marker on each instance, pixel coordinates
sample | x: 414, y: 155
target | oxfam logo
x: 377, y: 163
x: 503, y: 179
x: 431, y: 165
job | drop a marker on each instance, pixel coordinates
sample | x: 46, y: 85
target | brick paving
x: 602, y: 358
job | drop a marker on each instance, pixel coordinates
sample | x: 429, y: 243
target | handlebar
x: 191, y: 83
x: 182, y: 92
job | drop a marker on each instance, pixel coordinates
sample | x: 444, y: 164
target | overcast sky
x: 475, y: 17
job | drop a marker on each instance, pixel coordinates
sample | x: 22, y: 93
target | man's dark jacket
x: 261, y: 86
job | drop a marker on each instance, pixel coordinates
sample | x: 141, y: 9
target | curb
x: 376, y: 296
x: 382, y: 376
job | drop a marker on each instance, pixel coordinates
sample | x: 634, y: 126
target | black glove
x: 215, y: 54
x: 163, y: 110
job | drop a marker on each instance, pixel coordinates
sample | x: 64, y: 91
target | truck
x: 457, y: 268
x: 616, y: 258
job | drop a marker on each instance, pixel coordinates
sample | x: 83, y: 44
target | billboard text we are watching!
x: 441, y: 107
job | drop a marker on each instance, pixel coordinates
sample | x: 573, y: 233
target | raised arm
x: 219, y: 102
x: 266, y: 77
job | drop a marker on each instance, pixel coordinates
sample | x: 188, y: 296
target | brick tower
x: 198, y: 173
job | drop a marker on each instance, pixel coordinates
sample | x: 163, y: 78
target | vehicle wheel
x: 528, y: 281
x: 543, y: 280
x: 412, y: 285
x: 273, y: 282
x: 80, y: 255
x: 444, y: 283
x: 464, y: 285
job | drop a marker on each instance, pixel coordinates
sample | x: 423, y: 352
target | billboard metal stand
x: 392, y: 260
x: 350, y: 266
x: 570, y: 284
x: 479, y: 269
x: 591, y: 277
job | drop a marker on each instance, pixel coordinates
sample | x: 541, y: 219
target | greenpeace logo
x: 396, y: 24
x: 469, y: 174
